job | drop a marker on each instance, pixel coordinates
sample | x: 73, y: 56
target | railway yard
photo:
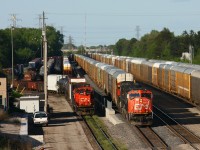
x: 167, y: 122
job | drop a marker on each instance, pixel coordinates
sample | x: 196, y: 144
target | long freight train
x: 176, y: 78
x: 132, y: 101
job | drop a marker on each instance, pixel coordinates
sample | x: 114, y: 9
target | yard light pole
x: 12, y: 28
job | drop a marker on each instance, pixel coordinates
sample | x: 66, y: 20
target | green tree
x: 27, y: 44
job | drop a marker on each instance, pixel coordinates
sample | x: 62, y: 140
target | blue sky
x: 104, y: 22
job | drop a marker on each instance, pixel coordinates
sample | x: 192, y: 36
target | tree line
x: 27, y: 44
x: 160, y: 45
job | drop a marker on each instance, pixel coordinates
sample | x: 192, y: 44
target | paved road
x: 33, y: 129
x: 64, y: 131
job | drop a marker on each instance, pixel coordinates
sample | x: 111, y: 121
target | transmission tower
x: 137, y: 32
x: 40, y: 21
x: 61, y: 30
x: 14, y: 20
x: 70, y: 42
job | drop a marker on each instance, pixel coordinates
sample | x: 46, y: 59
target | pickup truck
x: 40, y: 118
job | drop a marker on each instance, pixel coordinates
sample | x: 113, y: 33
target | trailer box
x: 29, y: 103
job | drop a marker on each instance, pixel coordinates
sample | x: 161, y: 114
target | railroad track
x: 183, y: 133
x: 89, y: 133
x: 110, y: 144
x: 151, y: 138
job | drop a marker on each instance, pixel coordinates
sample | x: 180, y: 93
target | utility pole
x: 85, y: 30
x: 13, y: 26
x: 45, y: 61
x: 41, y: 27
x: 13, y: 19
x: 191, y: 51
x: 12, y: 55
x: 137, y: 32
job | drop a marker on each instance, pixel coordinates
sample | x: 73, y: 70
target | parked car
x: 40, y: 118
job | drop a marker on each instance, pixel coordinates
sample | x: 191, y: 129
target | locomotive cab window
x: 88, y: 92
x: 147, y: 95
x: 132, y: 96
x: 81, y: 91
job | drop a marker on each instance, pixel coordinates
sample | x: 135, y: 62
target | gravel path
x: 182, y: 112
x: 64, y: 131
x: 124, y: 134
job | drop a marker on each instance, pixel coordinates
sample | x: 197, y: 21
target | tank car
x: 50, y: 67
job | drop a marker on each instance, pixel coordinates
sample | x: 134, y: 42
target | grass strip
x: 101, y: 124
x: 98, y: 134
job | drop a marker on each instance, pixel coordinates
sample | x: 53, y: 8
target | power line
x: 130, y: 14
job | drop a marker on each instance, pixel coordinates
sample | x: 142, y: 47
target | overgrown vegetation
x: 99, y: 135
x: 104, y: 128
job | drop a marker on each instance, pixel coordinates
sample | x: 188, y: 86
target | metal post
x: 191, y: 51
x: 45, y: 73
x: 12, y: 57
x: 41, y: 47
x: 45, y: 63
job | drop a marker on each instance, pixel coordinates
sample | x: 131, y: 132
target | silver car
x: 40, y: 118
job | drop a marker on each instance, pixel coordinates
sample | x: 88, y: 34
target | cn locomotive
x: 83, y: 99
x: 134, y: 102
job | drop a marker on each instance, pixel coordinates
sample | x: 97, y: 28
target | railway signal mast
x: 45, y: 60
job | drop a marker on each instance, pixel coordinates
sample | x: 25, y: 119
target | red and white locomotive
x: 83, y: 99
x: 136, y: 103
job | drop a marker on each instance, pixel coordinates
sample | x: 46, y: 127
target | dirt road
x: 64, y: 131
